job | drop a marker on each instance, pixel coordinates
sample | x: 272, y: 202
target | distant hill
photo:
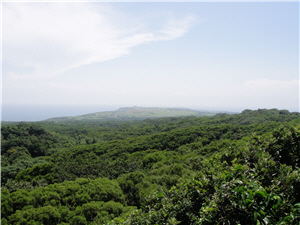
x: 136, y: 113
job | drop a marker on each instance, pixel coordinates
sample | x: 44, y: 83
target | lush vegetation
x: 224, y: 169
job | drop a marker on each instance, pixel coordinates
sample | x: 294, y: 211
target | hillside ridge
x: 137, y: 113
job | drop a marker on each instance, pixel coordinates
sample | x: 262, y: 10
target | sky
x: 200, y: 55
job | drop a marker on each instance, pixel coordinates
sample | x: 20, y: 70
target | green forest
x: 223, y: 169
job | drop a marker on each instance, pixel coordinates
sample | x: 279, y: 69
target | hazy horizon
x: 199, y: 55
x: 33, y: 113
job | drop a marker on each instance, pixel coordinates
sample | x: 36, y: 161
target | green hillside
x: 136, y: 113
x: 222, y: 169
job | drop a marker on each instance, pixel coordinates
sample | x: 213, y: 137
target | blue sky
x: 200, y: 55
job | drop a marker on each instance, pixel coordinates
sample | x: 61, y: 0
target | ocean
x: 43, y: 112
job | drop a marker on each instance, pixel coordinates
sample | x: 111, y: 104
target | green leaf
x: 256, y: 214
x: 262, y: 212
x: 261, y: 193
x: 239, y: 167
x: 248, y: 201
x: 160, y: 194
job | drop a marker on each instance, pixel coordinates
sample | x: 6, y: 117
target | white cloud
x: 55, y: 37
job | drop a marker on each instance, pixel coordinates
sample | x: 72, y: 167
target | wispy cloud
x: 52, y: 38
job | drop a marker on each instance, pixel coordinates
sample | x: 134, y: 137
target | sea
x: 43, y: 112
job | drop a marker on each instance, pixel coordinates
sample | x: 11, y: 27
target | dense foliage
x: 225, y: 169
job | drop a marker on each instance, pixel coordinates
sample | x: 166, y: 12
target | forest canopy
x: 222, y: 169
